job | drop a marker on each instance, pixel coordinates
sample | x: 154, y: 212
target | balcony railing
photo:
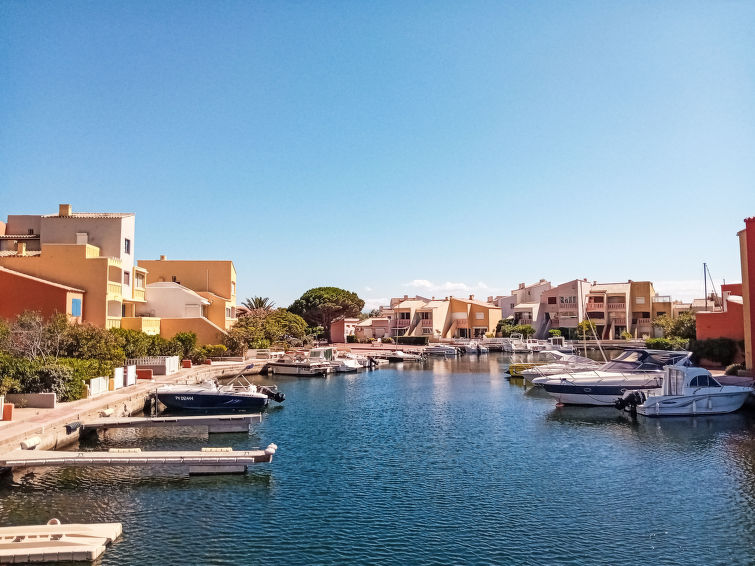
x: 427, y: 322
x: 620, y: 321
x: 112, y: 322
x: 138, y: 294
x: 462, y: 323
x: 643, y: 321
x: 596, y: 306
x: 616, y: 306
x: 402, y: 322
x: 662, y: 299
x: 114, y: 288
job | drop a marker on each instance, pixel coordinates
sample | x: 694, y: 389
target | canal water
x: 447, y: 463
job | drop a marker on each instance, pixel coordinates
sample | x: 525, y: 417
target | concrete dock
x: 55, y: 542
x: 206, y: 461
x: 210, y: 423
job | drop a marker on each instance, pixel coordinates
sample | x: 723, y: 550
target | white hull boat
x: 441, y: 350
x: 687, y: 392
x: 632, y: 369
x: 565, y: 363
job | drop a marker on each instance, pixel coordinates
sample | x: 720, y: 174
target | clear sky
x: 392, y: 147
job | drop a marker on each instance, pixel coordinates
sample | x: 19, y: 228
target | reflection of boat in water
x: 686, y: 391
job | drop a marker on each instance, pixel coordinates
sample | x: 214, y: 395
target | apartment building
x: 91, y: 252
x: 450, y: 317
x: 563, y: 307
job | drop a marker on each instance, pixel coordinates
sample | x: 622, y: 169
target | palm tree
x: 259, y: 303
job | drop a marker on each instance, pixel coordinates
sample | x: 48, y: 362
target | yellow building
x: 641, y: 295
x: 212, y: 280
x: 450, y: 317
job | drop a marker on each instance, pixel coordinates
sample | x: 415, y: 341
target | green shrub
x: 554, y: 332
x: 733, y: 369
x: 626, y: 335
x: 720, y: 350
x: 412, y: 340
x: 159, y: 346
x: 187, y: 341
x: 198, y: 356
x: 386, y: 340
x: 351, y: 339
x: 215, y: 350
x: 667, y: 343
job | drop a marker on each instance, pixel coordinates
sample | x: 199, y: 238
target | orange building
x: 20, y: 292
x: 747, y: 255
x: 727, y: 323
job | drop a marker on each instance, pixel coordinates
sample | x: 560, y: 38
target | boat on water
x: 237, y: 395
x: 535, y: 345
x: 686, y: 391
x: 441, y: 350
x: 559, y: 363
x: 516, y: 344
x: 400, y: 356
x: 316, y: 363
x: 559, y: 344
x: 632, y: 369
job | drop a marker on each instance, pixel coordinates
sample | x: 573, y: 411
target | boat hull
x: 301, y: 371
x: 211, y: 401
x: 686, y: 405
x: 590, y: 394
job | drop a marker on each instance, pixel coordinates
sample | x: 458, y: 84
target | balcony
x: 402, y: 322
x: 591, y: 307
x: 427, y: 322
x: 139, y: 295
x: 114, y: 289
x: 662, y: 299
x: 147, y: 324
x: 619, y: 321
x: 112, y: 322
x: 643, y: 321
x: 616, y: 306
x: 462, y: 323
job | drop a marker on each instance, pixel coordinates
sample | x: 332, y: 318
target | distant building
x: 341, y: 328
x: 373, y: 328
x: 450, y: 317
x: 564, y: 307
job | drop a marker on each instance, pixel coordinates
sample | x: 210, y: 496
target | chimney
x: 163, y: 257
x: 521, y: 285
x: 490, y: 299
x: 406, y: 297
x: 21, y: 248
x: 471, y: 297
x: 64, y: 210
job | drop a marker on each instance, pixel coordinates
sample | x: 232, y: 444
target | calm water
x: 446, y: 464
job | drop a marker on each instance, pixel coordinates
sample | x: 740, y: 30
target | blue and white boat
x: 237, y: 395
x: 632, y: 369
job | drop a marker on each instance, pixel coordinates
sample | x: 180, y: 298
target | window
x: 639, y: 300
x: 552, y: 300
x: 127, y: 246
x: 512, y: 305
x: 140, y: 280
x: 126, y: 278
x: 31, y: 231
x: 424, y: 315
x: 479, y: 315
x: 75, y: 307
x: 403, y: 315
x: 427, y: 330
x: 228, y: 312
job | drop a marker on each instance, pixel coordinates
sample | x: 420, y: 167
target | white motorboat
x: 346, y: 365
x: 399, y: 356
x: 560, y: 363
x: 441, y: 350
x: 632, y: 369
x: 516, y: 344
x: 317, y: 363
x: 535, y: 345
x: 686, y: 391
x: 559, y: 344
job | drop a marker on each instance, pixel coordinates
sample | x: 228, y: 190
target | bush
x: 626, y: 335
x: 159, y: 346
x: 215, y: 350
x: 554, y: 332
x: 667, y: 343
x: 733, y: 369
x: 412, y: 340
x: 351, y: 339
x: 187, y: 341
x: 197, y: 356
x: 386, y: 340
x: 135, y: 344
x: 720, y: 350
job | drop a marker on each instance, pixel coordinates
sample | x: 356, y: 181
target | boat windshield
x: 703, y: 381
x: 644, y: 360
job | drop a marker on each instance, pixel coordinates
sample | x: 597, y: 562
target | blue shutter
x: 75, y: 307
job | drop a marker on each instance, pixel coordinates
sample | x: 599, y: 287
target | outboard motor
x: 272, y: 393
x: 630, y: 400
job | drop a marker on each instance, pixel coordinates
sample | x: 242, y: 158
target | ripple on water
x: 438, y: 465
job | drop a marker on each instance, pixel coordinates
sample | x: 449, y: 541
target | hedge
x: 412, y: 340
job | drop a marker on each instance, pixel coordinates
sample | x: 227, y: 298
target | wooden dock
x: 206, y: 461
x: 55, y: 542
x: 212, y: 423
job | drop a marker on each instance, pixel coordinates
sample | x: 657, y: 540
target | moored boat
x: 686, y: 391
x: 632, y: 369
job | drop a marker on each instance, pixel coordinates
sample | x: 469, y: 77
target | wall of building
x: 722, y: 324
x: 72, y: 265
x: 206, y: 331
x: 170, y: 301
x: 747, y: 256
x: 20, y: 294
x: 218, y: 277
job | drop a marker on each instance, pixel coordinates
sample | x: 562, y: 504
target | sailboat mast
x: 705, y: 282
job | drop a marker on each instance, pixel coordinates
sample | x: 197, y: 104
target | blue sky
x: 392, y: 147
